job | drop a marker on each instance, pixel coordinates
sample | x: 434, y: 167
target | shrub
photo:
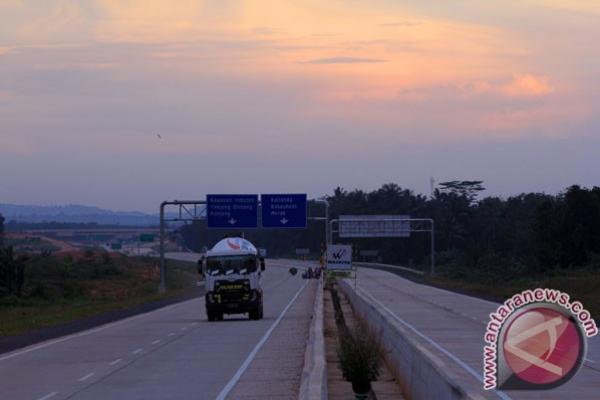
x: 360, y: 357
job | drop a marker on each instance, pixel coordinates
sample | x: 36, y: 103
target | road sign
x: 363, y: 226
x: 283, y: 210
x: 339, y: 256
x: 302, y: 252
x: 232, y: 210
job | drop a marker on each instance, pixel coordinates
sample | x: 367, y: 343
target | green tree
x: 468, y: 189
x: 12, y: 272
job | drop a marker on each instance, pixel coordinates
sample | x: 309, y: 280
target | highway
x: 454, y: 325
x: 175, y: 353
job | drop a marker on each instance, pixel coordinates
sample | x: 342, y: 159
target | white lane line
x: 86, y: 377
x: 183, y: 329
x: 137, y: 351
x: 588, y: 360
x: 170, y: 334
x: 48, y: 396
x: 92, y: 331
x: 157, y: 341
x: 235, y: 378
x: 454, y: 358
x: 115, y: 362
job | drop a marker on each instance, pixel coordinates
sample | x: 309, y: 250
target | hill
x: 74, y: 213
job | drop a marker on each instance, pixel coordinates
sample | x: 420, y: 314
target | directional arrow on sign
x: 283, y: 220
x: 232, y: 221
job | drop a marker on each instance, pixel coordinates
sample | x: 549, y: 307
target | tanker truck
x: 232, y: 273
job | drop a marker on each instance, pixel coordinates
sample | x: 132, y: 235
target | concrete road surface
x: 457, y: 323
x: 175, y: 353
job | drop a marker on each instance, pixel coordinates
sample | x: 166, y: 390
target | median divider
x: 423, y: 371
x: 313, y: 385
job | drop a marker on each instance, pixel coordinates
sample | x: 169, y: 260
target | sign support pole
x: 432, y: 248
x: 162, y: 285
x: 192, y: 215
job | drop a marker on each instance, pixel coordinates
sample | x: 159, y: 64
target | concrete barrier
x: 423, y: 371
x: 313, y: 385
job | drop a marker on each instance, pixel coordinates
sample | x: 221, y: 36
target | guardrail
x: 380, y: 265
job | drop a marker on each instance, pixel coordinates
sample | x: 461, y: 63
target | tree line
x: 12, y: 267
x: 519, y: 235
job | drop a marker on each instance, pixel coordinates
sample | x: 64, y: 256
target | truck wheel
x: 211, y: 316
x: 254, y: 314
x: 219, y: 316
x: 261, y: 311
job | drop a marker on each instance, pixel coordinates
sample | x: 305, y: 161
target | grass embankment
x: 60, y: 289
x: 581, y: 284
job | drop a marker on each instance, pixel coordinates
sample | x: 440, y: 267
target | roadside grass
x: 64, y: 289
x: 581, y: 284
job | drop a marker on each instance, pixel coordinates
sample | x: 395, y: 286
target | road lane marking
x: 118, y: 360
x: 183, y: 329
x: 86, y: 377
x: 48, y: 396
x: 157, y: 341
x: 235, y: 378
x: 101, y: 328
x: 94, y: 330
x: 137, y: 351
x: 170, y: 334
x: 454, y: 358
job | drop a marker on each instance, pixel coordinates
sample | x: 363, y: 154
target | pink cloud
x: 4, y: 95
x: 527, y: 86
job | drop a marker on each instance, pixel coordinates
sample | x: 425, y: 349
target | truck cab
x: 232, y: 272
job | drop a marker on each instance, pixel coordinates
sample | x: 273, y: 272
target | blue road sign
x: 232, y: 210
x: 283, y: 210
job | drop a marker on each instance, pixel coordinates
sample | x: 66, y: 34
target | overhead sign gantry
x: 233, y: 211
x: 361, y: 226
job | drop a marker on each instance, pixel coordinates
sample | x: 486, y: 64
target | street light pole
x: 432, y: 247
x: 162, y: 284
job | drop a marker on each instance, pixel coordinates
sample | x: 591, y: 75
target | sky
x: 293, y: 96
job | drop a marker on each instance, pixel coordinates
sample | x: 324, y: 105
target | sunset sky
x: 293, y: 96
